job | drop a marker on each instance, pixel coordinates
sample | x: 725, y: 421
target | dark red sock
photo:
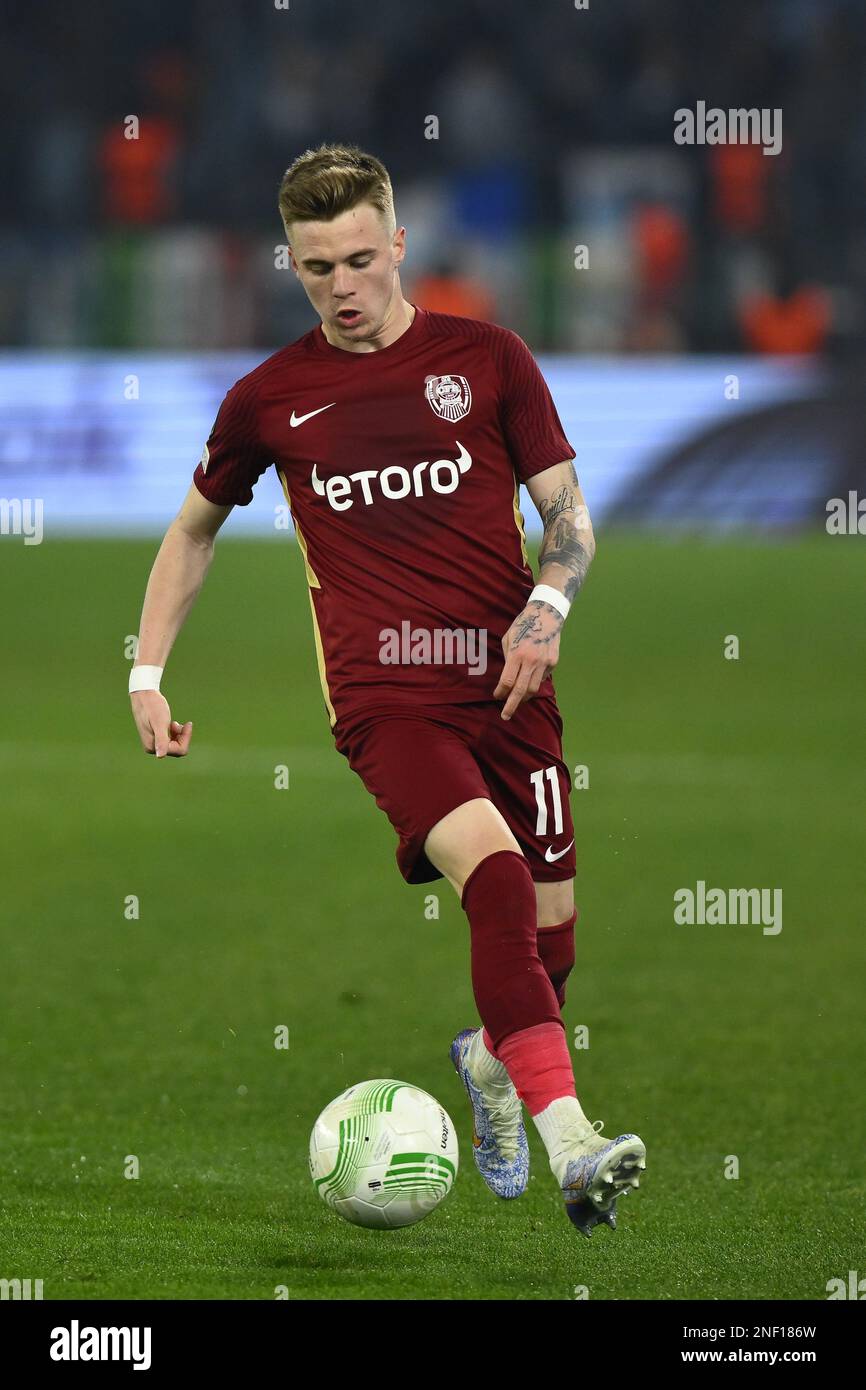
x: 511, y: 986
x: 556, y: 953
x: 556, y: 949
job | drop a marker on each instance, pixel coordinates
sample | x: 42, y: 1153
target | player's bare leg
x: 554, y: 902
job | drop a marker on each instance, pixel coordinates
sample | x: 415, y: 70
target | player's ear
x: 292, y: 261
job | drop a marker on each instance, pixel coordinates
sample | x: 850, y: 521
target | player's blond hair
x: 324, y: 182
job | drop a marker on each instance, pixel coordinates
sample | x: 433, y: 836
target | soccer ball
x: 383, y: 1154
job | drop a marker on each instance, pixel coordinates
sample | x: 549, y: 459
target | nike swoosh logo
x: 552, y: 858
x: 299, y: 419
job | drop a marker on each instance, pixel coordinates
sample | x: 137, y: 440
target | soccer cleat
x: 499, y: 1143
x: 597, y: 1171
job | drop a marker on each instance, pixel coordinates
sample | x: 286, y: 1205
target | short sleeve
x: 532, y: 427
x: 232, y: 461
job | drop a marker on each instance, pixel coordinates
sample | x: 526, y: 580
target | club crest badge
x: 449, y: 396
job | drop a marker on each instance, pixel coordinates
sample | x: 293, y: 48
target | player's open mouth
x: 349, y: 315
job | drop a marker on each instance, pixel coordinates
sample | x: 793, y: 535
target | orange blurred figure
x: 138, y: 173
x: 797, y: 323
x: 446, y: 292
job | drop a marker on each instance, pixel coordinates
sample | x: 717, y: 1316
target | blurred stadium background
x: 154, y: 257
x: 708, y: 366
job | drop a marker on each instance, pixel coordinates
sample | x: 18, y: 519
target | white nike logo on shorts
x: 551, y: 857
x: 299, y: 419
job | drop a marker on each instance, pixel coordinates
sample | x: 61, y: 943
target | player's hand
x: 531, y: 650
x: 159, y: 733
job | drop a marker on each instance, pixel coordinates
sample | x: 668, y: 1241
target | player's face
x: 348, y: 269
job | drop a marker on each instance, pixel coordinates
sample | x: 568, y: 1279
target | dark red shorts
x: 421, y: 764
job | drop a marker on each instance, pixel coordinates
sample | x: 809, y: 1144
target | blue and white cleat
x: 597, y: 1171
x: 499, y: 1142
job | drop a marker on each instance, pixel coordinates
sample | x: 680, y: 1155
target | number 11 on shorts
x: 537, y: 780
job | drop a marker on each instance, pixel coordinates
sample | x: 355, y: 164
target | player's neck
x: 395, y: 324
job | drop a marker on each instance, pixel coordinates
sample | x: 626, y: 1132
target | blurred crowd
x: 553, y: 130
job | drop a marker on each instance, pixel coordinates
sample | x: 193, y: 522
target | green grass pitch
x: 259, y: 907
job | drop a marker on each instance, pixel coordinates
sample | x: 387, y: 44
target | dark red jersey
x: 401, y: 469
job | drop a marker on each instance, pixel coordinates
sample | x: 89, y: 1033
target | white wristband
x: 543, y: 593
x: 145, y: 678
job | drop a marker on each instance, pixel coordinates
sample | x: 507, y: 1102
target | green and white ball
x: 383, y: 1154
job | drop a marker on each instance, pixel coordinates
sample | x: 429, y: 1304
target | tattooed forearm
x: 529, y: 625
x: 561, y: 501
x: 568, y: 541
x: 562, y: 547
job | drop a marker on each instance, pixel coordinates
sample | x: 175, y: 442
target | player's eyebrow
x: 317, y: 260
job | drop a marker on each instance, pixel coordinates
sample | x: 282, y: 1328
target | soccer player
x: 400, y: 437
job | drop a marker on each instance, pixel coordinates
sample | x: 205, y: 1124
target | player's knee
x: 502, y: 876
x: 460, y: 842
